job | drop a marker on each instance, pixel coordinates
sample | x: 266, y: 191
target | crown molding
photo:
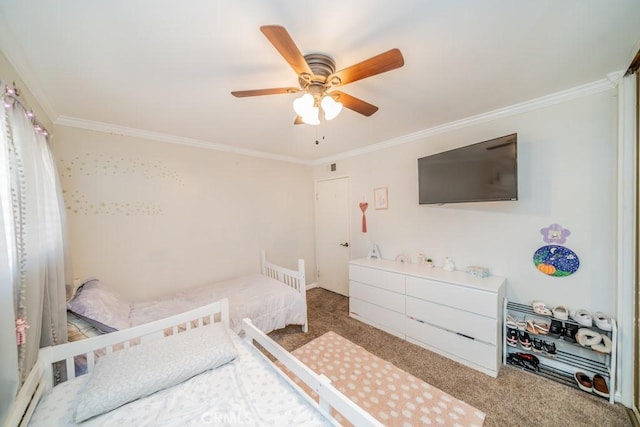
x: 602, y: 85
x: 171, y: 139
x: 610, y: 82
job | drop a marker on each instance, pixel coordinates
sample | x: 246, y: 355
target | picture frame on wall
x: 381, y: 198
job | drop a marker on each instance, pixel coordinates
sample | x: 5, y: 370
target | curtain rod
x: 13, y: 93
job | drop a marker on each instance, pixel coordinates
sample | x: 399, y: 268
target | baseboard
x: 634, y: 416
x: 312, y: 285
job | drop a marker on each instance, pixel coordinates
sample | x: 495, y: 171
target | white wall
x: 151, y: 218
x: 566, y: 171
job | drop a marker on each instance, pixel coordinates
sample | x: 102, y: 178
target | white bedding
x: 245, y: 392
x: 268, y: 303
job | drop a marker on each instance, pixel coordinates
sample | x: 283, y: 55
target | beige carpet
x: 390, y: 394
x: 515, y: 398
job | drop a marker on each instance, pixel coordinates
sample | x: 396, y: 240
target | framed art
x: 381, y: 198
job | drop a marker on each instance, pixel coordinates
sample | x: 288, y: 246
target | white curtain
x: 34, y: 262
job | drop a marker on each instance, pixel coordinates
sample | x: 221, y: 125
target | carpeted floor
x: 515, y: 398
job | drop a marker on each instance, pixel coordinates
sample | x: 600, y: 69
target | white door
x: 332, y: 234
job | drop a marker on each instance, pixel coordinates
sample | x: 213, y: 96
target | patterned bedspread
x: 245, y: 392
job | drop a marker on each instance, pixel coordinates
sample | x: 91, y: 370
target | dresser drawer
x: 468, y: 299
x: 472, y: 325
x: 381, y: 318
x: 379, y: 278
x: 378, y: 296
x: 466, y: 350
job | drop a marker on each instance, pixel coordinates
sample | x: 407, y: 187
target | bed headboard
x: 292, y: 278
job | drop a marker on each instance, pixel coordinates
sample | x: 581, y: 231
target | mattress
x: 245, y: 392
x: 269, y: 304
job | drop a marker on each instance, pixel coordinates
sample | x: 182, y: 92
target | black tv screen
x: 482, y: 172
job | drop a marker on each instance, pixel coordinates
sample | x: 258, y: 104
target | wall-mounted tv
x: 481, y: 172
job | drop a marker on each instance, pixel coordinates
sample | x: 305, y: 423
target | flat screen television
x: 481, y: 172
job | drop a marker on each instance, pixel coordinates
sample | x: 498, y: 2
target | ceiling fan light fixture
x: 303, y: 105
x: 330, y: 107
x: 312, y: 116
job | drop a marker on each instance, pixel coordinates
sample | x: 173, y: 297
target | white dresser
x: 449, y: 312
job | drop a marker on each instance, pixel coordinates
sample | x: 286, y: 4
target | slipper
x: 587, y: 338
x: 603, y: 347
x: 541, y: 308
x: 602, y: 321
x: 561, y: 312
x: 600, y: 386
x: 583, y: 381
x: 582, y: 317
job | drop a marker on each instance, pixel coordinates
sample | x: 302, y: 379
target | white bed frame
x: 41, y: 377
x: 291, y: 278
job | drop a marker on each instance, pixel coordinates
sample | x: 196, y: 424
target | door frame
x: 315, y: 210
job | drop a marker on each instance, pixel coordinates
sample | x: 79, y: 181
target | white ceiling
x: 167, y: 67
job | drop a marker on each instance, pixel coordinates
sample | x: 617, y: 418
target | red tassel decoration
x: 363, y: 208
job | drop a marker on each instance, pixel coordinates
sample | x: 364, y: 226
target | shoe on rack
x: 524, y: 339
x: 570, y: 331
x: 530, y: 357
x: 561, y: 312
x: 512, y: 337
x: 555, y: 330
x: 537, y: 345
x: 583, y: 381
x: 582, y: 317
x: 604, y: 346
x: 541, y: 328
x: 602, y: 321
x: 587, y: 337
x: 541, y: 308
x: 515, y: 323
x: 600, y: 386
x: 549, y: 349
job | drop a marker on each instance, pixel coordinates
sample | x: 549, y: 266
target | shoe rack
x: 570, y: 357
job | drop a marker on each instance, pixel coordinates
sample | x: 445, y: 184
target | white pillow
x: 127, y: 375
x: 101, y: 306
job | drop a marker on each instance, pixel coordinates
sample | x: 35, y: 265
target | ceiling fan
x: 317, y: 77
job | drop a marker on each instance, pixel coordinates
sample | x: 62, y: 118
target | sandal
x: 541, y: 308
x: 541, y: 328
x: 514, y: 323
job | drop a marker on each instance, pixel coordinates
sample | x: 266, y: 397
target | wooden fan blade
x: 387, y: 61
x: 259, y: 92
x: 353, y: 103
x: 298, y: 121
x: 282, y: 41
